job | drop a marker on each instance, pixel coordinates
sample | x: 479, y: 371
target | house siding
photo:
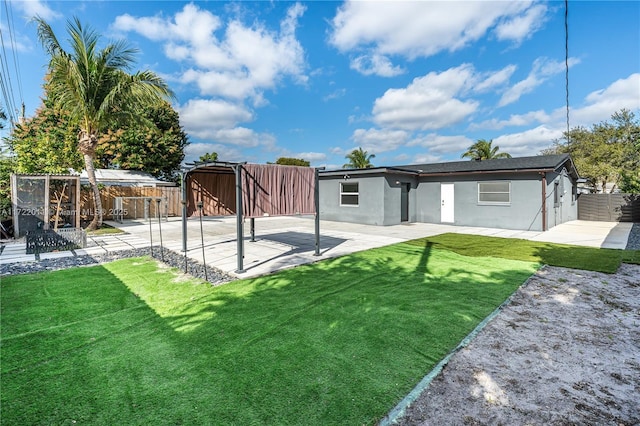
x: 566, y: 207
x: 523, y: 211
x: 381, y: 201
x: 371, y: 200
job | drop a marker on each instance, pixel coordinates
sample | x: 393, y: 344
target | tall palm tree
x: 94, y: 88
x: 482, y: 150
x: 358, y: 159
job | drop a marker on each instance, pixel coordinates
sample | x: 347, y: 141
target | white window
x: 494, y: 192
x: 349, y: 194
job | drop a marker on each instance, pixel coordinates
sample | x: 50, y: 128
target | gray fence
x: 609, y: 207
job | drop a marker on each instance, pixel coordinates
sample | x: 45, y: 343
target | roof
x: 516, y: 164
x: 537, y: 162
x: 118, y: 177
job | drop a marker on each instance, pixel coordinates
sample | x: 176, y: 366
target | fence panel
x: 609, y: 207
x: 108, y: 195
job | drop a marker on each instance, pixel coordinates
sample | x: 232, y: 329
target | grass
x: 568, y: 256
x: 337, y: 342
x: 105, y: 230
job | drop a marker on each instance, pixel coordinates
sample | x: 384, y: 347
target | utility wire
x: 6, y: 83
x: 14, y: 48
x: 566, y: 59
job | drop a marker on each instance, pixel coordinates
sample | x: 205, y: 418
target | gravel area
x: 633, y: 243
x: 169, y: 257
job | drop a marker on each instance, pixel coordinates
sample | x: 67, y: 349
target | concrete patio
x: 284, y: 242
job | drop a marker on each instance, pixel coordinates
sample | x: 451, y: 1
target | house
x: 528, y: 193
x: 117, y: 177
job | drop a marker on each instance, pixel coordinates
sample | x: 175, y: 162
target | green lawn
x: 336, y: 342
x: 568, y: 256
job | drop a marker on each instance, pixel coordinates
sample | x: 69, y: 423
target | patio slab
x: 285, y: 242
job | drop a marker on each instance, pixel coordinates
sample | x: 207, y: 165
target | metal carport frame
x: 219, y: 167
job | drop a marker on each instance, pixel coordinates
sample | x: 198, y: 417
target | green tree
x: 154, y: 145
x: 95, y: 89
x: 209, y: 157
x: 482, y: 150
x: 607, y: 154
x: 45, y: 143
x: 287, y: 161
x: 358, y: 159
x: 3, y: 118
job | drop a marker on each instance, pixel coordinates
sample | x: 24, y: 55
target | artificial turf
x: 564, y: 255
x: 337, y: 342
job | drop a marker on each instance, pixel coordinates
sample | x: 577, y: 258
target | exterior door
x: 404, y: 203
x: 446, y: 203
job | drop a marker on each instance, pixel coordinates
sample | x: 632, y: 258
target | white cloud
x: 426, y: 159
x: 336, y: 94
x: 529, y: 142
x: 375, y: 65
x: 422, y: 29
x: 429, y: 102
x: 19, y: 42
x: 541, y: 71
x: 601, y: 104
x: 514, y: 120
x: 197, y: 115
x: 441, y: 144
x: 32, y: 8
x: 232, y: 60
x: 219, y: 120
x: 193, y: 152
x: 520, y: 27
x: 311, y: 156
x: 379, y: 140
x: 495, y: 79
x: 598, y: 106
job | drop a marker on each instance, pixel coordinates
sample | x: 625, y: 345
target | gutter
x: 476, y: 172
x: 544, y: 201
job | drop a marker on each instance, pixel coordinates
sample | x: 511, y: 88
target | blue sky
x: 411, y: 82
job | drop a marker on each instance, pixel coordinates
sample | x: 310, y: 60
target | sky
x: 410, y: 82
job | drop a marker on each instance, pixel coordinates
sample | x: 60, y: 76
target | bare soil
x: 565, y: 351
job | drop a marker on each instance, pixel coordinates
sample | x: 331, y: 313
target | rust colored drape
x: 275, y: 190
x: 215, y: 190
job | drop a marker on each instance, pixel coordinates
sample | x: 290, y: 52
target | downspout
x: 544, y: 201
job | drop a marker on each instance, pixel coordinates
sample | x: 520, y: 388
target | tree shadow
x: 338, y: 341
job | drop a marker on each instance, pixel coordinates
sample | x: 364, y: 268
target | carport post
x: 253, y: 229
x: 238, y: 171
x: 316, y: 200
x: 183, y: 182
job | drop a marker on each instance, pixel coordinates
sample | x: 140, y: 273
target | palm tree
x: 482, y: 150
x: 358, y: 159
x: 94, y: 88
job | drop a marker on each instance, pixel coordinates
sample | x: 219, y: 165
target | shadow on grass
x: 340, y: 341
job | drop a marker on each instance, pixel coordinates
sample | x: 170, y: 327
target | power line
x: 14, y: 48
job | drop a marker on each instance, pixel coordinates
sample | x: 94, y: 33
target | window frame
x: 355, y: 194
x: 494, y: 203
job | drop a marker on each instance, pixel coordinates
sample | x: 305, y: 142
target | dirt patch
x: 565, y: 351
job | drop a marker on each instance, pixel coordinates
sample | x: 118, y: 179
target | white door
x: 446, y: 202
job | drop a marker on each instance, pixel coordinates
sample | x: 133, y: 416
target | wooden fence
x: 108, y: 195
x: 609, y: 207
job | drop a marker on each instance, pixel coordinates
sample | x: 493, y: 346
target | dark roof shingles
x: 537, y: 162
